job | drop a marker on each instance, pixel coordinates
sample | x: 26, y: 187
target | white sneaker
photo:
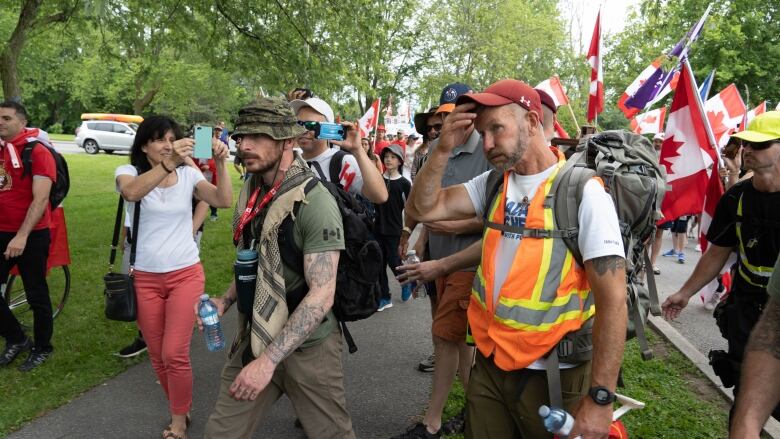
x: 698, y: 248
x: 710, y: 304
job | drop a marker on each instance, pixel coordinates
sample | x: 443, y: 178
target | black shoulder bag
x: 120, y: 291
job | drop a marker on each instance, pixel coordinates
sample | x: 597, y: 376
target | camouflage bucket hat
x: 271, y: 116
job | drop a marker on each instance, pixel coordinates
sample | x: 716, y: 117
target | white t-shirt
x: 350, y: 177
x: 599, y: 228
x: 165, y: 241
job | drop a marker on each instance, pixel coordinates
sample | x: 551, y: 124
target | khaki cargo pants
x: 502, y: 404
x: 312, y: 378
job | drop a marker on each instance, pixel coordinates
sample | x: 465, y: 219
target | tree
x: 33, y: 16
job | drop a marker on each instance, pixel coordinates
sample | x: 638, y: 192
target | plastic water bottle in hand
x: 556, y: 420
x: 212, y: 330
x: 407, y: 289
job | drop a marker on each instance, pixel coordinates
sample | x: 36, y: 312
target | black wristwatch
x: 601, y: 395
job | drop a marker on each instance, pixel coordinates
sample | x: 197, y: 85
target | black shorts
x: 680, y: 225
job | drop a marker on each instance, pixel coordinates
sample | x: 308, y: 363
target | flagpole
x: 378, y: 108
x: 573, y: 118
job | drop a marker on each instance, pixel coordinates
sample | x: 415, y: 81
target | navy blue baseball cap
x: 450, y: 94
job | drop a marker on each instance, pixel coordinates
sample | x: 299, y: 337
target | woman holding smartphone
x: 168, y: 274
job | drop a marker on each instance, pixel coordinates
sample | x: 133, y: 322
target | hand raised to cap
x: 455, y: 129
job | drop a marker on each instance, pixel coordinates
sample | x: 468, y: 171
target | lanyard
x: 251, y: 210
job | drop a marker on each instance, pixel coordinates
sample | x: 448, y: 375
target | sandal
x: 187, y: 422
x: 172, y: 435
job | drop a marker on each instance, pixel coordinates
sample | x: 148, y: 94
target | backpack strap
x: 655, y: 308
x: 493, y: 185
x: 565, y: 198
x: 290, y: 252
x: 334, y: 169
x: 27, y: 150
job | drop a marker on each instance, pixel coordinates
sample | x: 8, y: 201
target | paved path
x: 384, y: 391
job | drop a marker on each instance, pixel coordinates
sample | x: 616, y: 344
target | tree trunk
x: 11, y: 90
x: 13, y: 48
x: 140, y: 102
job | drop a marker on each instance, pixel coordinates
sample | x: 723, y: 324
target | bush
x: 55, y: 129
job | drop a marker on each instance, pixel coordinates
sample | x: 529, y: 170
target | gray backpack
x: 628, y: 166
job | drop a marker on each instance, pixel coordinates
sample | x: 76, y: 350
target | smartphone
x: 202, y: 142
x: 326, y: 131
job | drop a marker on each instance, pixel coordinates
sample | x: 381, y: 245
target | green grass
x: 680, y: 400
x: 83, y: 339
x: 62, y: 137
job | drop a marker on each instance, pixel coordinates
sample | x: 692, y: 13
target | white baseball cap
x: 317, y: 104
x: 659, y: 136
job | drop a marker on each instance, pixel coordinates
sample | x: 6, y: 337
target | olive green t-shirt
x: 773, y: 287
x: 317, y: 228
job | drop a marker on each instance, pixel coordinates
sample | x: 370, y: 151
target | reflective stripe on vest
x: 544, y: 296
x: 753, y: 274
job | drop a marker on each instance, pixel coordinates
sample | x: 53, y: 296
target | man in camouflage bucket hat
x: 270, y: 116
x: 293, y: 347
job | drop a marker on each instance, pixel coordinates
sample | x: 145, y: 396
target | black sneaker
x: 13, y: 350
x: 456, y: 424
x: 428, y: 364
x: 35, y: 359
x: 137, y: 347
x: 418, y: 431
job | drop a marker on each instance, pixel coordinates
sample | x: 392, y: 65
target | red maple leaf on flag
x: 650, y: 119
x: 716, y: 122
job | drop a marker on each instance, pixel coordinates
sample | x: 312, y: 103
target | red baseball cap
x: 504, y: 92
x: 380, y: 127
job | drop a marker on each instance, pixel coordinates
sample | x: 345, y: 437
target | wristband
x: 165, y: 167
x: 407, y: 230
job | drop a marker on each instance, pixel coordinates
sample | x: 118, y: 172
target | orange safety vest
x: 545, y: 295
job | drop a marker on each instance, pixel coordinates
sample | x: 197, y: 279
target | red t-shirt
x: 16, y: 193
x: 380, y: 146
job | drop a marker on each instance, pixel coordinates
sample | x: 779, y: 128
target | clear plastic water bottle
x: 556, y: 420
x: 412, y: 259
x: 212, y: 330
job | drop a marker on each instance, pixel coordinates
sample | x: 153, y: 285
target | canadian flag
x: 686, y: 151
x: 753, y: 113
x: 554, y: 88
x: 651, y: 122
x: 596, y: 93
x: 725, y: 112
x: 369, y: 120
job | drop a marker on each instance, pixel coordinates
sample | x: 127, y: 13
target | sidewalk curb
x: 668, y: 332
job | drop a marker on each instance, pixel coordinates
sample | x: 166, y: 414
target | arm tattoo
x: 319, y: 269
x: 608, y: 263
x: 766, y: 334
x: 320, y: 275
x: 303, y: 321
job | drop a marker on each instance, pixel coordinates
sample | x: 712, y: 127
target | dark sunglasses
x: 436, y: 127
x: 760, y: 146
x: 310, y: 125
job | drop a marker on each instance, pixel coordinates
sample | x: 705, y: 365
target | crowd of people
x: 502, y: 299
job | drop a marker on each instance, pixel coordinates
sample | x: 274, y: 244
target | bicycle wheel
x: 58, y: 280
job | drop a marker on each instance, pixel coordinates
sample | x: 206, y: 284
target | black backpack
x: 60, y: 188
x: 360, y: 263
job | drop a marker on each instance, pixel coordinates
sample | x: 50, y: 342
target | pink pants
x: 166, y: 318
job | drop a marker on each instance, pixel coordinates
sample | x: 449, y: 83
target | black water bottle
x: 245, y: 269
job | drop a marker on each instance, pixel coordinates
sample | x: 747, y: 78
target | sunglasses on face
x: 760, y: 146
x: 436, y: 127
